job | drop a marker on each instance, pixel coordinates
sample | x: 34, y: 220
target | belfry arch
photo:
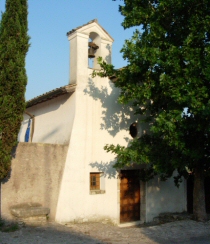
x: 94, y: 51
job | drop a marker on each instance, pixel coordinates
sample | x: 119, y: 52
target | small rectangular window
x: 94, y: 181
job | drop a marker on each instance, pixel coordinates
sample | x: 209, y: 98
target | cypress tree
x: 14, y: 44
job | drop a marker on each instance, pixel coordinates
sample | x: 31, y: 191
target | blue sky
x: 47, y: 61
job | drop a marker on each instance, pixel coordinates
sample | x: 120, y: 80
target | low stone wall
x: 35, y: 177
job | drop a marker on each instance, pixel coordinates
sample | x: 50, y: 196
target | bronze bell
x: 92, y: 49
x: 91, y: 52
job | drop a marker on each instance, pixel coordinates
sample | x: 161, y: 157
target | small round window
x: 133, y: 130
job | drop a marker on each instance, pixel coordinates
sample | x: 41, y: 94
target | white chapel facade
x: 85, y: 115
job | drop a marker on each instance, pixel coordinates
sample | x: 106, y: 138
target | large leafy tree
x: 168, y: 80
x: 14, y: 44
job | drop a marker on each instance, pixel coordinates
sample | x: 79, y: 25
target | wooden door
x: 129, y: 196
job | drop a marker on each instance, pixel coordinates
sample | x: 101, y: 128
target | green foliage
x: 4, y: 227
x: 13, y: 49
x: 168, y: 81
x: 168, y: 71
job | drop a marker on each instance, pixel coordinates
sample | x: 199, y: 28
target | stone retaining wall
x: 35, y: 177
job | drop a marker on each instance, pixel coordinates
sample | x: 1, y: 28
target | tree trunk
x: 199, y: 206
x: 0, y: 201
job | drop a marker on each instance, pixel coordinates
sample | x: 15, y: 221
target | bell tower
x: 87, y: 43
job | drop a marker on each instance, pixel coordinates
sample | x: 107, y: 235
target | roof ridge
x: 92, y: 21
x: 73, y: 30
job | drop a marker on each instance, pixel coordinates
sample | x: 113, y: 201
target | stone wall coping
x: 27, y: 210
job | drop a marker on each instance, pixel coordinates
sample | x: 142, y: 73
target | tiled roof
x: 51, y: 94
x: 73, y: 30
x: 92, y: 21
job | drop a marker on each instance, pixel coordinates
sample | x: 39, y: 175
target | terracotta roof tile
x: 51, y: 94
x: 73, y: 30
x: 92, y: 21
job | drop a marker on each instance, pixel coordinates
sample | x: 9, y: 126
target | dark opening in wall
x: 190, y: 187
x: 133, y: 130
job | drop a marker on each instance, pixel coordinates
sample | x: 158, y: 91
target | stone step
x: 30, y: 213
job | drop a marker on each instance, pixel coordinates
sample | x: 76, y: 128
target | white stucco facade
x: 87, y: 120
x: 163, y: 197
x: 53, y: 120
x: 98, y: 120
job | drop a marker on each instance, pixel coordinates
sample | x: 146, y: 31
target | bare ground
x: 182, y: 232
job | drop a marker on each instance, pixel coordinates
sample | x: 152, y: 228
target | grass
x: 11, y: 227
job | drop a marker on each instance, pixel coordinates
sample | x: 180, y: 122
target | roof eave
x: 51, y: 94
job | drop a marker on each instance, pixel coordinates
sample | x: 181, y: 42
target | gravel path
x: 182, y: 232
